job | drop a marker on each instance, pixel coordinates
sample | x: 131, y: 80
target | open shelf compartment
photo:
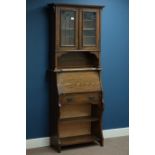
x: 80, y: 119
x: 77, y: 60
x: 77, y: 140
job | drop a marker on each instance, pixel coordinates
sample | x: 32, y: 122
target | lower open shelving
x: 80, y: 119
x: 77, y: 140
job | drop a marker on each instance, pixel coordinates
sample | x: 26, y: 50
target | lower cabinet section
x: 78, y: 124
x: 80, y: 130
x: 79, y: 119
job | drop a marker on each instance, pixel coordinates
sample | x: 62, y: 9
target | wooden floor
x: 112, y: 146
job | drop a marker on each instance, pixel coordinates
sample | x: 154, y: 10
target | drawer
x: 83, y: 98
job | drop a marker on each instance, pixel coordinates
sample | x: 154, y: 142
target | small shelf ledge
x: 77, y: 69
x: 77, y: 140
x: 80, y: 119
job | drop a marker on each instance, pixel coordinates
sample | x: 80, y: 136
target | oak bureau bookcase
x: 77, y: 110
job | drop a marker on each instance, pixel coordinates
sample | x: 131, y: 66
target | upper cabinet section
x: 77, y: 28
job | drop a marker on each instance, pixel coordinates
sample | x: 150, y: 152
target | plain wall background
x: 115, y: 64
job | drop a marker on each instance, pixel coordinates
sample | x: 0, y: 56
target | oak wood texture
x: 77, y: 82
x: 81, y: 98
x: 80, y: 119
x: 78, y: 29
x: 76, y: 69
x: 70, y: 129
x: 75, y: 85
x: 77, y: 60
x: 80, y: 59
x: 77, y: 140
x: 72, y: 111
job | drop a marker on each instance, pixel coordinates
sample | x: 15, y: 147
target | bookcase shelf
x: 77, y: 140
x: 80, y: 119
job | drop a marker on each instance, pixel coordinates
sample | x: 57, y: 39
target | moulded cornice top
x: 76, y: 5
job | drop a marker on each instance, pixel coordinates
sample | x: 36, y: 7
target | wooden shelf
x: 79, y: 119
x: 77, y: 140
x: 76, y: 69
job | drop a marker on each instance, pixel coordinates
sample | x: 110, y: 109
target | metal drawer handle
x: 91, y: 98
x: 69, y: 99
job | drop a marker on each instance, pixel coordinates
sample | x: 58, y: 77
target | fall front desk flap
x: 78, y: 82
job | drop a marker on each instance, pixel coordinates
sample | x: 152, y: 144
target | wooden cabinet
x: 77, y: 28
x: 75, y: 75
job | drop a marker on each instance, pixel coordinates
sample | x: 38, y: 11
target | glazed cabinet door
x: 89, y: 29
x: 66, y: 28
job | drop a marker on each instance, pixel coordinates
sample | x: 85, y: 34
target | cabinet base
x: 57, y: 143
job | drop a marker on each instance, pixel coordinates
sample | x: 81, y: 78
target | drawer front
x: 85, y: 98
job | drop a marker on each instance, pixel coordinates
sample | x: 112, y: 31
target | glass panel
x: 89, y: 28
x: 68, y: 28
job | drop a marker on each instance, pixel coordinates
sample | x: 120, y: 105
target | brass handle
x: 69, y: 99
x: 91, y: 98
